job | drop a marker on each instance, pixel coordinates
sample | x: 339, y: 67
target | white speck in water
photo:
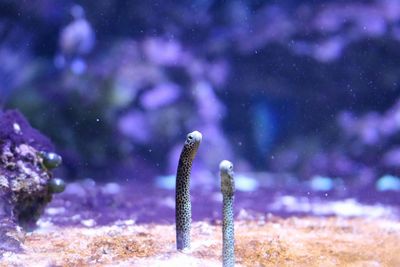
x: 17, y: 128
x: 346, y: 207
x: 44, y: 226
x: 245, y: 183
x: 321, y: 183
x: 78, y: 66
x: 239, y: 143
x: 168, y: 202
x: 166, y: 182
x: 76, y: 217
x: 98, y: 120
x: 55, y: 210
x: 111, y: 188
x: 88, y: 223
x: 388, y: 183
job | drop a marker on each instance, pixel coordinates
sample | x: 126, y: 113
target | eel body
x: 183, y: 210
x: 228, y: 232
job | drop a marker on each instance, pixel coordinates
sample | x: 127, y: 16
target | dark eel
x: 228, y: 232
x: 183, y: 209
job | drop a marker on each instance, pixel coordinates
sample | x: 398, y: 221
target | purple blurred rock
x: 78, y: 37
x: 210, y: 109
x: 392, y: 157
x: 163, y: 52
x: 218, y: 72
x: 16, y: 129
x: 329, y: 50
x: 161, y: 95
x: 135, y: 125
x: 24, y: 178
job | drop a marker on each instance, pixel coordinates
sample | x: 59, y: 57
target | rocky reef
x: 26, y: 183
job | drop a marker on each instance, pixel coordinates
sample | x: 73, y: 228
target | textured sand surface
x: 276, y: 242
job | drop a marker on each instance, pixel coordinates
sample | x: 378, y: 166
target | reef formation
x: 26, y: 182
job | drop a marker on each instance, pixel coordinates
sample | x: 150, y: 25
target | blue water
x: 307, y: 91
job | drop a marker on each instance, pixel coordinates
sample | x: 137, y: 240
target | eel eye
x: 190, y: 137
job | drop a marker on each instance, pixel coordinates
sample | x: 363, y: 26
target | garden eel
x: 183, y: 209
x: 228, y: 232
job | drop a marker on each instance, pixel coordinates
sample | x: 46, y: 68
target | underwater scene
x: 200, y: 133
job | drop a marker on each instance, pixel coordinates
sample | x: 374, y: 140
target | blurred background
x: 306, y: 91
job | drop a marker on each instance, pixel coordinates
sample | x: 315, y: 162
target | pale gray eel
x: 228, y: 232
x: 183, y: 209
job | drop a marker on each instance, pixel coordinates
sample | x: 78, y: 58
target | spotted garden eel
x: 228, y: 232
x: 183, y: 209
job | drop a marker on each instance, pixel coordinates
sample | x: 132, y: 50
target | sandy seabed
x: 275, y: 242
